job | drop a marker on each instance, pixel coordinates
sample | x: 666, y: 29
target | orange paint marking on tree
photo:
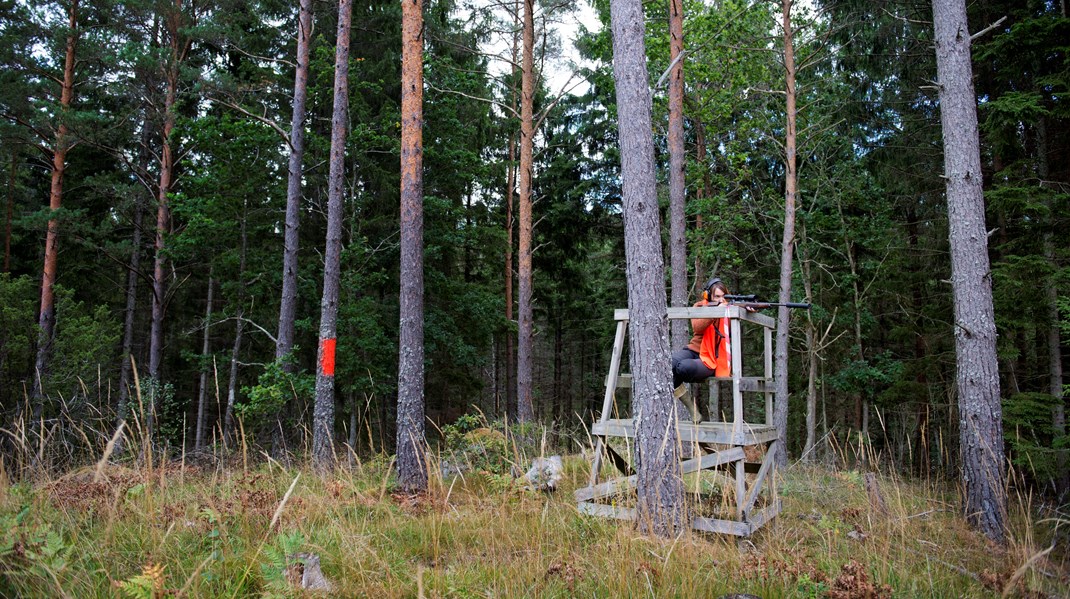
x: 327, y: 347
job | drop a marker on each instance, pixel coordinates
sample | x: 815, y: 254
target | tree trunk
x: 9, y: 213
x: 510, y: 352
x: 288, y: 306
x: 323, y: 412
x: 677, y: 161
x: 980, y: 413
x: 811, y: 351
x: 780, y: 413
x: 232, y: 384
x: 660, y: 508
x: 47, y: 314
x: 174, y: 24
x: 232, y: 380
x: 133, y: 274
x: 202, y: 398
x: 525, y: 341
x: 1055, y: 345
x: 703, y: 192
x: 411, y: 441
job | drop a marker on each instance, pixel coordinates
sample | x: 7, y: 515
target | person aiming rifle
x: 709, y: 351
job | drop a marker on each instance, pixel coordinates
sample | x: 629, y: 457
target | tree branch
x: 263, y: 119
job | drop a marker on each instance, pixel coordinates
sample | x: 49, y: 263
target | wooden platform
x: 720, y: 445
x: 723, y: 433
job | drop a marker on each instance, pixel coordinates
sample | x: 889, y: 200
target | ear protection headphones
x: 707, y: 290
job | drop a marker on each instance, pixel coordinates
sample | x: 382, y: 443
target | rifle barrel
x: 800, y: 305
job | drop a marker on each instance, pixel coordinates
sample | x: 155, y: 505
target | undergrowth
x: 168, y: 529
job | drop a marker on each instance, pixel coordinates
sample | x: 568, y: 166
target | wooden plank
x: 735, y: 338
x: 756, y: 487
x: 621, y: 314
x: 761, y: 517
x: 755, y: 384
x: 741, y: 489
x: 619, y: 462
x: 607, y: 400
x: 614, y: 370
x: 767, y: 339
x: 605, y: 489
x: 759, y: 319
x: 606, y: 511
x: 723, y: 527
x: 703, y: 432
x: 624, y: 381
x: 710, y: 460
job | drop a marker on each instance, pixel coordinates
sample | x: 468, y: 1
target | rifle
x: 751, y: 301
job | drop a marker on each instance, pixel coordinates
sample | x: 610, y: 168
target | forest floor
x: 218, y: 531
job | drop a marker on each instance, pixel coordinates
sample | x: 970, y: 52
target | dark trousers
x: 687, y: 367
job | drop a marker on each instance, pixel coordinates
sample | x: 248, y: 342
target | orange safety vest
x: 715, y: 350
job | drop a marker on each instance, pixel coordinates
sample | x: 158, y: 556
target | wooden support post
x: 741, y: 489
x: 607, y: 401
x: 735, y: 338
x: 769, y: 384
x: 756, y: 487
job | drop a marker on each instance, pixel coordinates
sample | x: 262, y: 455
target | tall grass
x: 83, y: 521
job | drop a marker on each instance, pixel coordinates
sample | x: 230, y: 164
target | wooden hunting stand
x: 723, y: 446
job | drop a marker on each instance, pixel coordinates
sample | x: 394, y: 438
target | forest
x: 221, y: 218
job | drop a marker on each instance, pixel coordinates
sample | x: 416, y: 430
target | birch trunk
x: 980, y: 413
x: 323, y: 412
x: 660, y: 508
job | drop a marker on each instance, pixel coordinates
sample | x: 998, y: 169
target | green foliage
x: 472, y: 442
x: 273, y: 389
x: 18, y: 331
x: 31, y: 552
x: 868, y: 377
x: 1030, y: 434
x: 280, y: 558
x: 86, y: 344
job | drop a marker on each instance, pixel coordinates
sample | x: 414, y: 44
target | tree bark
x: 677, y: 161
x: 288, y: 306
x: 239, y: 328
x: 1055, y: 344
x: 232, y: 380
x: 133, y: 274
x: 202, y: 398
x: 47, y: 314
x: 525, y: 311
x: 174, y: 24
x: 703, y: 192
x: 980, y: 413
x: 510, y: 352
x: 411, y: 441
x: 323, y: 412
x: 811, y: 350
x: 780, y: 412
x: 9, y: 213
x: 661, y: 509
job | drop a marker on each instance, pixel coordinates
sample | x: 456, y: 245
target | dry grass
x: 214, y: 532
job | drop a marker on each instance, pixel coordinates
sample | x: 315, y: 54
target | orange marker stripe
x: 327, y: 356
